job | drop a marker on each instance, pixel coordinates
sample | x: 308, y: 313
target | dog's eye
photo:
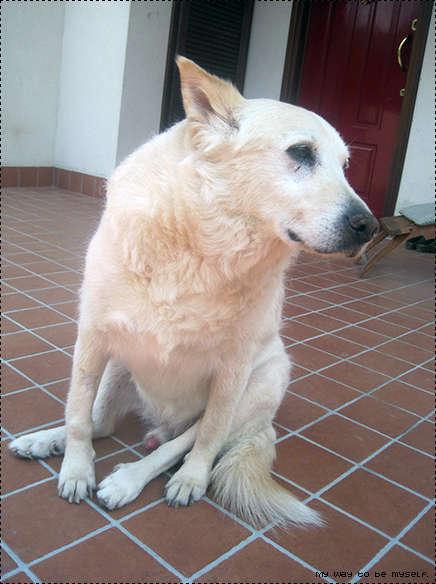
x: 302, y: 154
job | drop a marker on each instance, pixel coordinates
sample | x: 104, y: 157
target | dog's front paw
x: 39, y: 444
x: 186, y: 487
x: 76, y: 480
x: 120, y: 487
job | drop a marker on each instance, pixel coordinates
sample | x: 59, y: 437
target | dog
x: 181, y: 301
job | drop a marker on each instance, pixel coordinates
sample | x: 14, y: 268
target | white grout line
x: 393, y: 542
x: 22, y: 567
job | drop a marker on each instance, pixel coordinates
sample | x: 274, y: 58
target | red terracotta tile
x: 131, y: 430
x: 321, y: 321
x: 21, y: 344
x: 422, y: 437
x: 325, y: 391
x: 108, y: 557
x: 422, y: 378
x: 60, y: 522
x: 11, y: 380
x: 35, y: 317
x: 421, y: 536
x: 361, y: 336
x: 7, y: 326
x: 406, y: 467
x: 28, y: 409
x: 17, y: 301
x: 45, y: 176
x: 358, y: 377
x: 17, y: 473
x: 28, y: 176
x: 380, y: 416
x: 384, y: 327
x: 63, y: 179
x: 298, y: 331
x: 76, y: 181
x: 375, y: 501
x: 89, y: 185
x: 399, y: 561
x: 19, y: 578
x: 382, y: 363
x: 25, y: 283
x: 295, y: 412
x: 345, y: 437
x: 9, y: 176
x: 61, y: 335
x: 258, y: 562
x: 53, y: 295
x: 45, y: 367
x: 6, y: 562
x: 336, y: 346
x: 211, y: 533
x: 307, y: 464
x: 407, y: 397
x: 310, y: 357
x: 329, y: 549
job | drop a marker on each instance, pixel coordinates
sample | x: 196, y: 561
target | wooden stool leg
x: 389, y: 247
x: 377, y: 239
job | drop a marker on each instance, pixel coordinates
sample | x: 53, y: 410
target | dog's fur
x: 182, y: 293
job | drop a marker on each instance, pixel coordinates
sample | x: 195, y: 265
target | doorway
x: 357, y: 64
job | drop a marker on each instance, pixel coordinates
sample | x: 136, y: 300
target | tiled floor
x: 355, y: 431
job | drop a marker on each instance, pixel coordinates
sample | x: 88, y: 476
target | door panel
x: 351, y: 77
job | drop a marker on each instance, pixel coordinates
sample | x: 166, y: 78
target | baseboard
x: 47, y: 176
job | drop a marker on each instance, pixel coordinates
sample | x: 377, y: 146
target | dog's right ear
x: 206, y: 97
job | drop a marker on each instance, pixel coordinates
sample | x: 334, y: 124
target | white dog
x: 182, y: 293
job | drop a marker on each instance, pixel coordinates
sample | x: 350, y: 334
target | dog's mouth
x: 335, y: 249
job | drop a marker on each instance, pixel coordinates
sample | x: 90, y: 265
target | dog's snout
x: 361, y: 223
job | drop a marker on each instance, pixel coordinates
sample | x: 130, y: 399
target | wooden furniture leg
x: 377, y: 239
x: 393, y: 244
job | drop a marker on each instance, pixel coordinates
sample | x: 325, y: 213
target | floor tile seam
x: 298, y: 432
x: 37, y: 239
x: 43, y: 258
x: 380, y: 315
x: 395, y: 541
x: 295, y: 557
x: 35, y: 383
x: 27, y: 308
x: 41, y: 303
x: 356, y: 399
x: 334, y: 332
x: 22, y: 566
x: 34, y: 329
x: 357, y: 465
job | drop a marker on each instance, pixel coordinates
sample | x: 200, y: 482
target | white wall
x: 144, y: 74
x: 31, y: 49
x: 267, y: 49
x: 93, y: 54
x: 418, y: 178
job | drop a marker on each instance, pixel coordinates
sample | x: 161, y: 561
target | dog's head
x: 280, y: 165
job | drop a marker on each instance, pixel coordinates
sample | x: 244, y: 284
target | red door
x: 351, y: 76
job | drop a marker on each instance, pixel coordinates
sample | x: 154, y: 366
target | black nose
x: 364, y: 224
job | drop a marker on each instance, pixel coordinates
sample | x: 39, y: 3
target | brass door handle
x: 403, y: 42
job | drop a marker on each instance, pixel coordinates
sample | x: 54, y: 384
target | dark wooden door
x: 214, y: 34
x: 351, y: 76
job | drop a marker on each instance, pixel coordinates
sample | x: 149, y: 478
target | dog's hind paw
x: 182, y: 489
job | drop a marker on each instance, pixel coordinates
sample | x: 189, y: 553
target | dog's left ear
x: 206, y: 96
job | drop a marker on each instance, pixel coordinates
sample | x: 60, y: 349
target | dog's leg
x: 128, y: 480
x: 77, y: 478
x: 114, y: 398
x: 190, y: 482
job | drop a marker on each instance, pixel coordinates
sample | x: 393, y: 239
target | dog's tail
x: 241, y: 482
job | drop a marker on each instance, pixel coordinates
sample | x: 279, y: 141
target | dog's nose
x: 363, y: 224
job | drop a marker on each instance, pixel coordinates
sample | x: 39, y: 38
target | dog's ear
x: 206, y: 96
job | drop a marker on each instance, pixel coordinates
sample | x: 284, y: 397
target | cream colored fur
x: 182, y: 292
